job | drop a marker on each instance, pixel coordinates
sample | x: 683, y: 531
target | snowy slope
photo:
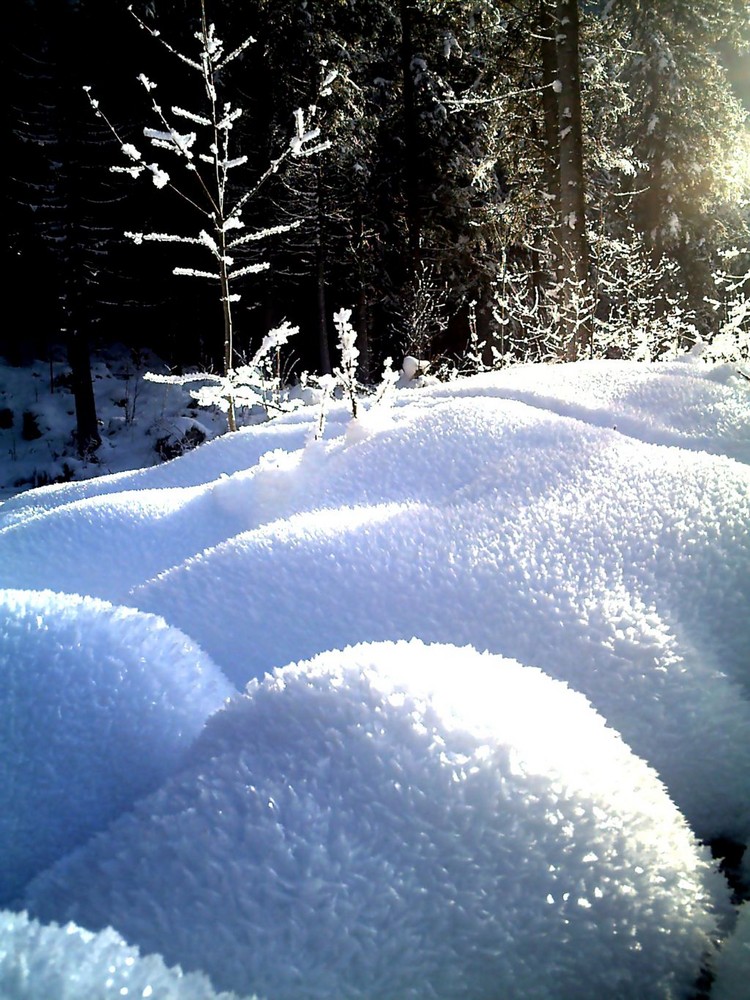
x: 591, y: 520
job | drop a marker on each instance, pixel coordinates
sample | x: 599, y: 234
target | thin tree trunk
x: 364, y: 321
x: 364, y: 312
x: 324, y: 351
x: 228, y: 335
x: 87, y: 428
x: 323, y: 347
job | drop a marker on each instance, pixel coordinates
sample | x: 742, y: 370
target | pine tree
x: 686, y: 129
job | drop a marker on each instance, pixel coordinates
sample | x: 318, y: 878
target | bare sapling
x: 201, y: 144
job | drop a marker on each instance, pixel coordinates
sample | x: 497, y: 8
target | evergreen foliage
x: 441, y: 213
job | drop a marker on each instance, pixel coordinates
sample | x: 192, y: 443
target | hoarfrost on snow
x: 590, y: 519
x: 97, y: 706
x: 406, y: 820
x: 40, y: 962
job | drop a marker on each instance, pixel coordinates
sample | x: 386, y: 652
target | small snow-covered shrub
x: 98, y: 705
x: 400, y: 820
x: 40, y: 962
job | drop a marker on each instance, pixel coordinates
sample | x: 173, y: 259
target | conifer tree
x: 66, y: 213
x: 686, y: 128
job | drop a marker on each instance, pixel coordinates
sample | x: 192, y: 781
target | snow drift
x: 619, y: 567
x: 97, y: 706
x: 401, y: 815
x: 401, y: 820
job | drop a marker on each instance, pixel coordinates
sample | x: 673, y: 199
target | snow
x: 134, y: 416
x: 98, y: 705
x: 733, y: 964
x: 419, y: 822
x: 496, y: 637
x: 69, y: 963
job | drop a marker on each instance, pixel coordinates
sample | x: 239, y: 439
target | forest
x: 480, y: 182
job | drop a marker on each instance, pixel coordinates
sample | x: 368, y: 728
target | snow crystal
x: 402, y: 821
x: 98, y: 704
x: 40, y: 962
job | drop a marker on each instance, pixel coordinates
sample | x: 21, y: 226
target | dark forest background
x: 438, y: 212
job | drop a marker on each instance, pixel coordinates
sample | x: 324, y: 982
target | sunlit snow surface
x: 591, y: 520
x: 70, y: 963
x: 395, y: 821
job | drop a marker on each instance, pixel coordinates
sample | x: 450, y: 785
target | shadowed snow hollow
x: 402, y: 821
x: 97, y: 706
x: 733, y: 964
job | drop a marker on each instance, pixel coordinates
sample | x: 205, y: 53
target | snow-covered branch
x: 261, y: 234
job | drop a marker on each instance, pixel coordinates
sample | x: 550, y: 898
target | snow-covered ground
x: 140, y: 422
x: 445, y: 703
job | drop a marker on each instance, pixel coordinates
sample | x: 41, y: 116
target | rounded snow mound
x: 69, y: 963
x: 404, y: 820
x: 98, y: 704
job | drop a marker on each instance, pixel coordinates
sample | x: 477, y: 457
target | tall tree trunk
x: 324, y: 351
x: 364, y: 310
x: 551, y: 163
x: 364, y: 322
x: 572, y: 241
x: 411, y: 138
x: 650, y: 202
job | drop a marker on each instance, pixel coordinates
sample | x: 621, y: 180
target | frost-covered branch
x: 206, y: 152
x: 346, y: 373
x: 257, y: 383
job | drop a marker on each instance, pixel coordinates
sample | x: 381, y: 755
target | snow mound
x: 220, y: 456
x: 97, y: 706
x: 658, y: 403
x: 401, y: 820
x: 681, y: 403
x: 140, y: 528
x: 619, y: 567
x: 732, y: 980
x: 69, y: 963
